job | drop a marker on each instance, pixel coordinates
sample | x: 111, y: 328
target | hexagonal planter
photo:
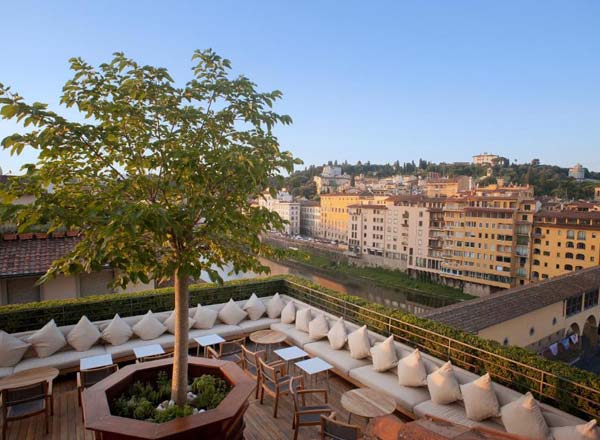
x: 226, y: 421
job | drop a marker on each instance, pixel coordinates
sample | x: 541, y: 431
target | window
x: 569, y: 255
x: 580, y: 245
x: 581, y: 235
x: 574, y: 305
x: 554, y: 321
x: 505, y: 342
x: 570, y: 244
x: 531, y: 331
x: 580, y: 257
x: 591, y: 299
x: 568, y: 267
x: 570, y: 234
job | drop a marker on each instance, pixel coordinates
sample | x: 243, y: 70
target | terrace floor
x: 67, y: 423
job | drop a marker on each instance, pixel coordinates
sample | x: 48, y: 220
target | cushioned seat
x: 294, y: 336
x: 6, y: 371
x: 455, y: 413
x: 249, y: 326
x: 340, y: 359
x: 387, y: 382
x: 61, y: 360
x: 223, y: 330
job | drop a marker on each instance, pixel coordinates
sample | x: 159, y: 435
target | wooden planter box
x: 224, y: 422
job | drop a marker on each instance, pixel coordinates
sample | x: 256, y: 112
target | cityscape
x: 275, y: 221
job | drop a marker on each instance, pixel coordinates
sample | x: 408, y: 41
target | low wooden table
x: 368, y: 403
x: 268, y: 338
x: 29, y: 377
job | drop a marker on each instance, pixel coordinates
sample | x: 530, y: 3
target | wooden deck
x: 67, y: 424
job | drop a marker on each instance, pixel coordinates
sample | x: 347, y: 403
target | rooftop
x: 478, y: 314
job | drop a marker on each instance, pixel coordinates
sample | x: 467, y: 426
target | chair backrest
x: 296, y: 383
x: 212, y: 353
x: 155, y: 357
x: 251, y: 357
x: 267, y: 371
x: 336, y: 430
x: 29, y: 393
x: 233, y: 346
x: 94, y: 375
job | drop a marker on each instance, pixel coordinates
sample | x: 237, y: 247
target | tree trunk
x: 180, y: 359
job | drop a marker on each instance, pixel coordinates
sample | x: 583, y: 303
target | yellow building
x: 334, y: 215
x: 487, y: 242
x: 564, y: 241
x: 447, y: 186
x: 597, y: 193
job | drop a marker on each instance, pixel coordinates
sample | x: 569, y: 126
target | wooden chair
x: 87, y: 378
x: 155, y: 357
x: 336, y: 430
x: 250, y: 365
x: 22, y: 402
x: 274, y: 381
x: 306, y: 415
x: 228, y: 351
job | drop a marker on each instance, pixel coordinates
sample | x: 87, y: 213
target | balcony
x: 437, y: 342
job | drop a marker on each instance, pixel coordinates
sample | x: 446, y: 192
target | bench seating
x: 412, y: 401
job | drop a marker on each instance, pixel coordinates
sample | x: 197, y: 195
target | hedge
x: 32, y: 316
x: 478, y: 355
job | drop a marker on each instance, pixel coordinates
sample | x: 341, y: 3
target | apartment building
x: 332, y: 180
x: 287, y: 209
x: 310, y: 218
x: 564, y: 241
x: 597, y: 193
x: 366, y: 232
x: 447, y: 186
x: 487, y: 242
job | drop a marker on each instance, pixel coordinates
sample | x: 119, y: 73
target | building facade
x: 447, y: 186
x: 310, y: 219
x: 597, y: 193
x: 288, y: 210
x: 577, y: 172
x: 334, y: 215
x: 489, y: 159
x: 332, y: 180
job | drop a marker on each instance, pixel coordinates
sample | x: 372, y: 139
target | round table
x: 267, y: 338
x: 29, y: 377
x: 368, y: 403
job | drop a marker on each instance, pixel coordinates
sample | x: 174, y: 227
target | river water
x: 340, y: 283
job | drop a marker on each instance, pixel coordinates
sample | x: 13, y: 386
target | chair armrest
x: 78, y: 381
x: 315, y: 411
x: 314, y: 391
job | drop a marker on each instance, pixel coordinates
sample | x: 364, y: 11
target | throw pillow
x: 47, y: 340
x: 524, y: 417
x: 337, y: 335
x: 480, y: 399
x: 318, y: 327
x: 205, y: 317
x: 303, y: 317
x: 384, y: 355
x: 12, y: 349
x: 359, y: 343
x: 232, y: 314
x: 411, y: 370
x: 170, y: 323
x: 83, y: 335
x: 117, y: 332
x: 149, y: 327
x: 254, y: 307
x: 443, y: 386
x: 588, y: 431
x: 288, y: 314
x: 274, y: 306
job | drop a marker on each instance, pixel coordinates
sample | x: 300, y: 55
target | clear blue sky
x: 378, y: 81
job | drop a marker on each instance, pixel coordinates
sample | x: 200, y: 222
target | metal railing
x: 571, y: 396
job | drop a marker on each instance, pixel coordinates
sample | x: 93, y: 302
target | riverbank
x: 392, y: 279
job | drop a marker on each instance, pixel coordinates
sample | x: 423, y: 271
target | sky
x: 374, y: 81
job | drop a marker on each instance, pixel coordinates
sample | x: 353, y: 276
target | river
x: 340, y: 283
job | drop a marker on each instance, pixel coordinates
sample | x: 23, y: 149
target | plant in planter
x: 158, y: 178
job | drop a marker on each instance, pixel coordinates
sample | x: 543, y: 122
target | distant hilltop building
x: 489, y: 159
x: 332, y: 180
x: 577, y: 172
x: 597, y: 193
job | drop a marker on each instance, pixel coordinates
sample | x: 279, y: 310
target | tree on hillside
x: 158, y: 178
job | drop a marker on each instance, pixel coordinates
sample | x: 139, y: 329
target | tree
x: 158, y: 179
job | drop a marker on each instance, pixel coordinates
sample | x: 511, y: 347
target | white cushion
x: 411, y: 370
x: 359, y: 344
x: 83, y: 335
x: 170, y: 323
x: 480, y: 399
x: 149, y: 327
x: 47, y: 340
x: 384, y: 355
x: 587, y: 431
x: 11, y: 349
x: 524, y: 417
x: 232, y: 314
x: 443, y: 386
x: 318, y: 327
x: 337, y: 335
x: 117, y: 332
x: 254, y: 307
x: 205, y: 317
x: 303, y: 318
x: 288, y: 314
x: 274, y: 306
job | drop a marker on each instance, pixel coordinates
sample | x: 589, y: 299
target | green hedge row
x: 478, y: 355
x: 31, y: 316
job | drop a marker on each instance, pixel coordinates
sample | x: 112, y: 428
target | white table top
x: 291, y: 353
x: 95, y: 361
x: 314, y: 365
x: 207, y: 340
x: 148, y: 350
